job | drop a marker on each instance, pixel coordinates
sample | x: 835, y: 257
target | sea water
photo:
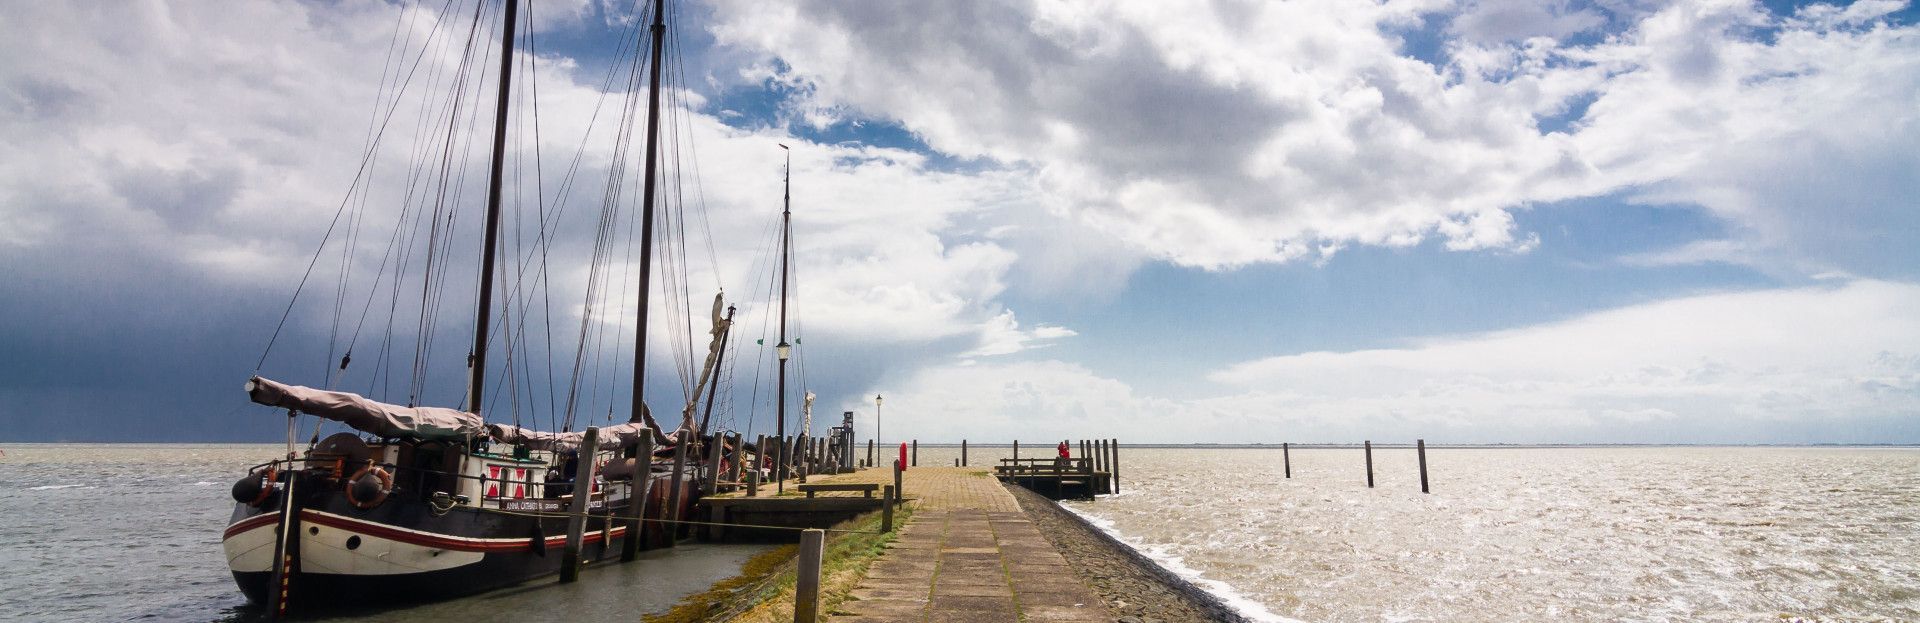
x: 1541, y: 534
x: 115, y: 532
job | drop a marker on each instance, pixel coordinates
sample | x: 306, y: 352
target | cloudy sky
x: 1318, y: 220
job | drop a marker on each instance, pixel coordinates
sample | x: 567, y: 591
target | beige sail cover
x: 368, y: 416
x: 611, y: 437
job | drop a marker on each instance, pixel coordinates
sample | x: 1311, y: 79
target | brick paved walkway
x: 967, y: 555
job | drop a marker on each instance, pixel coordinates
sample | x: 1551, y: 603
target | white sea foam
x: 1233, y: 598
x: 52, y: 487
x: 204, y: 483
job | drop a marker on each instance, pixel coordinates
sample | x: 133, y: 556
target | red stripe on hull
x: 441, y: 541
x: 249, y: 524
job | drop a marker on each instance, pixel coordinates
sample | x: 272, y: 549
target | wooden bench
x: 864, y: 488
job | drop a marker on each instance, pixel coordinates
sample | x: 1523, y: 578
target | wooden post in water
x: 1286, y: 458
x: 1369, y: 446
x: 1420, y: 446
x: 806, y: 586
x: 638, y: 488
x: 886, y: 508
x: 916, y: 453
x: 1116, y: 464
x: 1016, y: 451
x: 963, y: 453
x: 582, y: 498
x: 673, y: 495
x: 1100, y: 454
x: 869, y: 453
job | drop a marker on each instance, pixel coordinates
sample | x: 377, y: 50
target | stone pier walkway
x: 967, y: 555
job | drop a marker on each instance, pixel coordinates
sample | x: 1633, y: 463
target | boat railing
x: 455, y: 484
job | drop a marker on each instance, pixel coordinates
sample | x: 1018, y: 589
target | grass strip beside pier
x: 763, y: 591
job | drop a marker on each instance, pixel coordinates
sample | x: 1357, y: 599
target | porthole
x: 313, y: 530
x: 353, y: 542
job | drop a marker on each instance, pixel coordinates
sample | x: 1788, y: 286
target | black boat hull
x: 404, y: 551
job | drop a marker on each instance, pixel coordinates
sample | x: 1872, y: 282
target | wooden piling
x: 637, y: 491
x: 886, y: 508
x: 898, y: 488
x: 716, y: 446
x: 1286, y: 458
x: 673, y: 495
x: 582, y: 497
x: 1369, y: 447
x: 869, y: 453
x: 1115, y: 465
x: 806, y: 587
x: 759, y: 460
x: 1420, y: 446
x: 739, y: 458
x: 963, y: 453
x: 1016, y: 449
x: 803, y: 446
x: 916, y: 453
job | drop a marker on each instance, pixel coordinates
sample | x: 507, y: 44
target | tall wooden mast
x: 782, y: 349
x: 659, y: 31
x: 477, y: 364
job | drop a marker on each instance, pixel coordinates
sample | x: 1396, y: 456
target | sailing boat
x: 417, y: 505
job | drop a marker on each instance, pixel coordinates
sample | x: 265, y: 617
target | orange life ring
x: 386, y: 486
x: 266, y: 486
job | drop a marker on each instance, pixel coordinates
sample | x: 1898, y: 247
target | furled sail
x: 719, y: 331
x: 368, y: 416
x: 611, y: 437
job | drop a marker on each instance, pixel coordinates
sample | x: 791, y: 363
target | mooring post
x: 759, y: 460
x: 716, y: 446
x: 806, y: 585
x: 673, y: 495
x: 804, y: 445
x: 1016, y: 452
x: 1420, y: 446
x: 916, y: 453
x: 739, y: 456
x: 886, y: 508
x: 638, y: 488
x: 1086, y: 470
x: 1116, y: 464
x: 956, y: 461
x: 1369, y: 446
x: 582, y: 496
x: 870, y: 453
x: 898, y: 471
x: 1286, y: 458
x: 963, y: 453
